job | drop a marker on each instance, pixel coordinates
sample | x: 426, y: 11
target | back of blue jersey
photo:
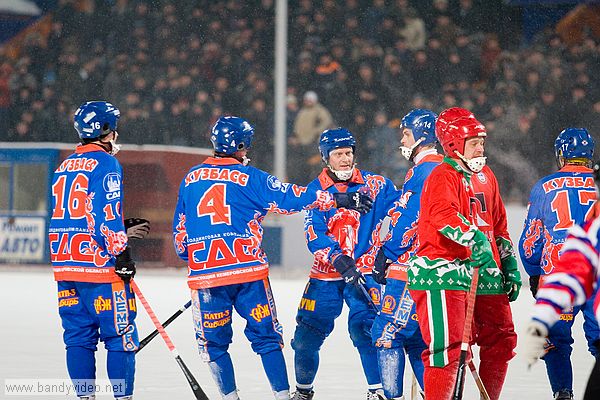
x: 217, y: 222
x: 401, y: 241
x: 86, y: 230
x: 557, y: 202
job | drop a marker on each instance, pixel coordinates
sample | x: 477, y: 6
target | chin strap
x: 343, y: 175
x: 407, y: 151
x: 114, y: 147
x: 111, y: 147
x: 475, y: 164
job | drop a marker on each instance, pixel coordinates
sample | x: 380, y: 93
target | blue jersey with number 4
x: 217, y: 222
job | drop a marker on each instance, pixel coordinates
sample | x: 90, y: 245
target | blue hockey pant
x: 396, y: 333
x: 99, y: 311
x: 253, y: 301
x: 320, y: 305
x: 560, y: 341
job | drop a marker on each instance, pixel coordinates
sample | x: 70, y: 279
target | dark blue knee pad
x: 307, y: 337
x: 359, y: 328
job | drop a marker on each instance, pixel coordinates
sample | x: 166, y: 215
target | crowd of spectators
x: 173, y: 67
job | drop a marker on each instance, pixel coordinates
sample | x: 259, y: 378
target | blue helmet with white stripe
x: 574, y: 143
x: 231, y: 134
x: 96, y: 118
x: 422, y: 124
x: 332, y: 139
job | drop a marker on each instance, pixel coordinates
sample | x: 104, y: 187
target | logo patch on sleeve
x: 112, y: 185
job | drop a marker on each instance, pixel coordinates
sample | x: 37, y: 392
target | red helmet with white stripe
x: 454, y: 126
x: 452, y: 114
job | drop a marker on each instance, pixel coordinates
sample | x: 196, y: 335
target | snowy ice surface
x: 31, y: 345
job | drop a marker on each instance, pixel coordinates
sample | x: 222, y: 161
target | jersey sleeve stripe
x: 546, y: 314
x: 568, y: 282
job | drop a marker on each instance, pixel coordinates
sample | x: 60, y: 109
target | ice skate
x: 301, y: 394
x: 563, y: 395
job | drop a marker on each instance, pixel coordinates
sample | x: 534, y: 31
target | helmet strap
x: 111, y: 147
x: 475, y: 164
x: 407, y: 152
x: 342, y: 175
x: 114, y: 147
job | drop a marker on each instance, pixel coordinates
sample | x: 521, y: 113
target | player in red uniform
x: 493, y: 328
x: 450, y: 243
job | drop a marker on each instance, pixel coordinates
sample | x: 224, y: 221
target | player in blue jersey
x: 217, y: 230
x: 90, y: 255
x: 573, y: 282
x: 396, y: 329
x: 339, y: 239
x: 557, y: 202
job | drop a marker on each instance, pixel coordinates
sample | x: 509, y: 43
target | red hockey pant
x: 442, y: 321
x: 494, y: 333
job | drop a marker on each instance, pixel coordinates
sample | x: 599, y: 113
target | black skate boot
x: 375, y: 395
x: 302, y: 394
x: 563, y: 395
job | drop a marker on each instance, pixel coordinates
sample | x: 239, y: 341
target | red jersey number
x: 562, y: 207
x: 214, y: 204
x: 74, y: 196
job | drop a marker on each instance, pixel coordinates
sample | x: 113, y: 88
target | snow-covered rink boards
x: 31, y: 344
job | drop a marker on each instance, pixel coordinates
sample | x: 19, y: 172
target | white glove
x: 533, y: 342
x: 137, y: 228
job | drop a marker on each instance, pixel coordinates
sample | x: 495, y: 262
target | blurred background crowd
x: 174, y: 66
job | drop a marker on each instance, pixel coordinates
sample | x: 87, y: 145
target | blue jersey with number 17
x: 557, y: 202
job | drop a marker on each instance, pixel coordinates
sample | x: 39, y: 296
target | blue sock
x: 222, y: 372
x: 559, y: 369
x: 416, y: 362
x: 81, y: 364
x: 120, y: 366
x: 368, y: 359
x: 274, y: 366
x: 306, y: 364
x: 391, y: 368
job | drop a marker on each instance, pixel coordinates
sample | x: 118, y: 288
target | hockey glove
x: 534, y: 284
x: 346, y: 266
x: 534, y: 341
x: 137, y: 228
x: 481, y: 251
x: 353, y: 201
x: 125, y: 266
x: 512, y: 277
x: 380, y: 267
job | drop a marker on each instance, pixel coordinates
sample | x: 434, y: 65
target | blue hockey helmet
x: 574, y: 143
x: 332, y: 139
x: 231, y: 134
x: 95, y: 118
x: 422, y: 124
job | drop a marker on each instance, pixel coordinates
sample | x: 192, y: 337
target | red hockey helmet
x: 453, y: 134
x: 451, y: 114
